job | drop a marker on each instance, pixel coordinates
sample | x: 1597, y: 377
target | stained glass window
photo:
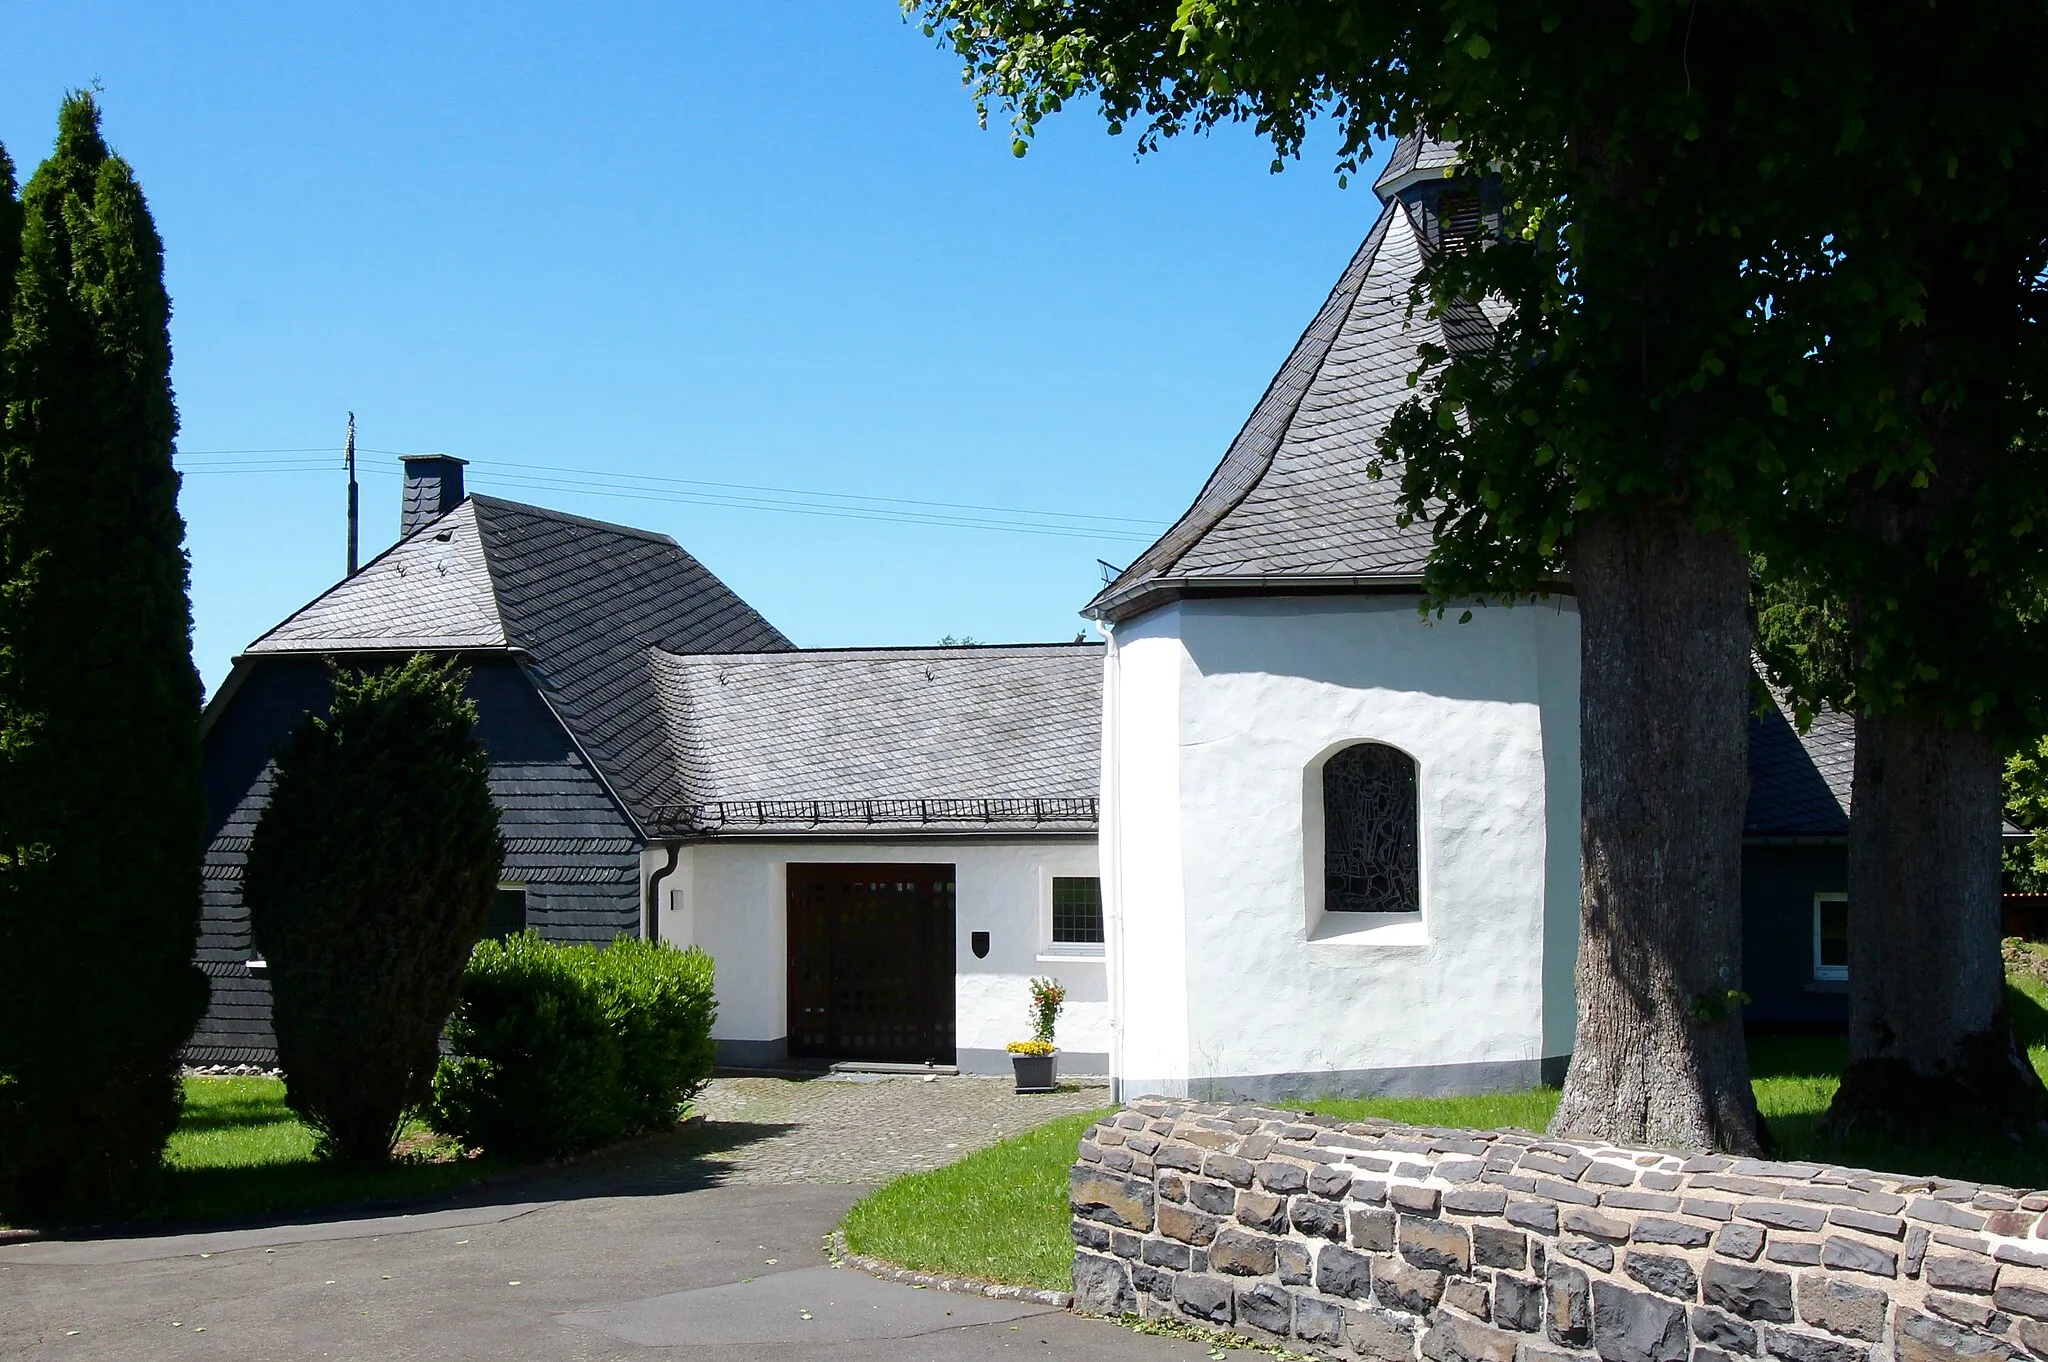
x: 1369, y: 832
x: 1076, y: 910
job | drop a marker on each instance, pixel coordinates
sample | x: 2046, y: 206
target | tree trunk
x: 1663, y: 701
x: 1930, y: 1037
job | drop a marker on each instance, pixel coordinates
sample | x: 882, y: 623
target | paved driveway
x: 690, y: 1243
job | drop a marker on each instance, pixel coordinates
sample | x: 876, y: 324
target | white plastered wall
x: 1231, y: 980
x: 731, y: 898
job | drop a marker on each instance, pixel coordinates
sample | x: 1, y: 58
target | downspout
x: 675, y: 851
x: 1110, y: 828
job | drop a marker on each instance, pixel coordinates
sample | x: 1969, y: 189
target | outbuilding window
x: 1369, y: 831
x: 1830, y: 936
x: 1076, y: 910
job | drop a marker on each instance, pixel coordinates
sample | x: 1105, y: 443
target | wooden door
x: 871, y: 962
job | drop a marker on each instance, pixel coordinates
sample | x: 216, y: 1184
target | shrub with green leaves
x: 555, y: 1048
x: 370, y: 876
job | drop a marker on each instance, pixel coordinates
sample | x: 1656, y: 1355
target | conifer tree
x: 101, y: 815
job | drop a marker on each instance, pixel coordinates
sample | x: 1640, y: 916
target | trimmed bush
x: 370, y: 876
x: 555, y: 1049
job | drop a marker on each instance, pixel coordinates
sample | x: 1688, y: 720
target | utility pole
x: 351, y: 494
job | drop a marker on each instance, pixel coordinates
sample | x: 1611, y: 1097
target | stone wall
x: 1365, y: 1239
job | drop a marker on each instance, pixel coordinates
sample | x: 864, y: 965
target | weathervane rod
x: 351, y: 494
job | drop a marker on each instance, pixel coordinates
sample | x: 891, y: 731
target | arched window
x: 1369, y: 831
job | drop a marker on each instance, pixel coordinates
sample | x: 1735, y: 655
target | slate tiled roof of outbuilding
x: 583, y: 600
x: 1291, y: 500
x: 972, y: 734
x: 1799, y: 782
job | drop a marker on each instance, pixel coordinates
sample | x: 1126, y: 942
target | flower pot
x: 1035, y: 1073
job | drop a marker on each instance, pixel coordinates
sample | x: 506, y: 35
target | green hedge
x: 554, y: 1049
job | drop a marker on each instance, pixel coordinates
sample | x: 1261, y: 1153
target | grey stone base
x: 1429, y: 1080
x: 752, y: 1054
x: 1083, y: 1062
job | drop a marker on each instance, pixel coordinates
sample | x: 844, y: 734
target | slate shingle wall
x: 1368, y: 1239
x: 564, y: 836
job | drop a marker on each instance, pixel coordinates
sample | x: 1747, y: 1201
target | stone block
x: 1172, y: 1187
x: 1204, y: 1298
x: 1276, y: 1176
x: 1663, y: 1274
x: 1330, y: 1181
x: 1961, y: 1274
x: 1188, y: 1226
x: 2009, y: 1224
x: 1097, y: 1194
x: 2033, y: 1336
x: 1119, y: 1159
x: 1214, y: 1198
x: 1536, y: 1352
x: 1475, y: 1201
x: 1262, y: 1212
x: 1604, y: 1174
x: 1153, y: 1282
x: 1842, y: 1307
x: 1597, y: 1256
x: 1631, y: 1326
x: 1102, y: 1286
x: 1293, y: 1264
x: 1266, y: 1306
x: 1413, y: 1200
x: 1533, y: 1215
x: 1595, y: 1225
x: 1752, y: 1292
x: 1472, y: 1297
x: 1343, y: 1272
x: 1707, y: 1208
x: 1722, y: 1330
x: 1566, y: 1166
x: 2021, y: 1299
x: 1639, y: 1201
x: 1318, y: 1321
x: 1434, y: 1244
x: 1372, y: 1230
x: 1702, y: 1353
x: 1966, y: 1310
x: 1167, y: 1253
x: 1088, y: 1234
x: 1923, y: 1338
x: 1185, y: 1157
x: 1493, y: 1246
x: 1316, y: 1217
x: 1794, y: 1346
x: 1451, y: 1339
x: 1848, y: 1217
x: 1793, y: 1252
x: 1568, y: 1306
x: 1853, y: 1255
x: 1228, y: 1168
x: 1399, y: 1285
x: 1380, y: 1335
x: 1517, y: 1303
x: 1655, y: 1229
x: 1124, y: 1244
x: 1242, y: 1254
x: 2013, y: 1253
x: 1783, y: 1215
x: 1932, y: 1212
x: 1916, y: 1248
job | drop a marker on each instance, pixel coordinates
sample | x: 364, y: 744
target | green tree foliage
x: 101, y: 815
x: 559, y: 1048
x: 370, y: 877
x: 2026, y: 804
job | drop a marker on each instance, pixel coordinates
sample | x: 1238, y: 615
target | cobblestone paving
x: 868, y: 1127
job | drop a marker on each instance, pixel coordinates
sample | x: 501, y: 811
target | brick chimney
x: 433, y: 487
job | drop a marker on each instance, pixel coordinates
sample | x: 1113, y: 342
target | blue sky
x: 686, y: 252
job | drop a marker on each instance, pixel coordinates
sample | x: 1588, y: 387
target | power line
x: 701, y: 492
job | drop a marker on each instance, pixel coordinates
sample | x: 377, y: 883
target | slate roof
x: 1799, y: 782
x: 995, y: 738
x: 1291, y: 504
x: 582, y: 601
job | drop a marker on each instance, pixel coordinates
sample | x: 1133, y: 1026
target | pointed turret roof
x: 1291, y: 505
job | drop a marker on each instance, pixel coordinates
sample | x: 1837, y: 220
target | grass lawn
x: 239, y: 1151
x: 1001, y: 1214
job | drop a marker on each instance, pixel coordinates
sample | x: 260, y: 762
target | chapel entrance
x: 871, y: 962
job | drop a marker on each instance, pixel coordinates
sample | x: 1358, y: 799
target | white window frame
x: 1048, y: 949
x: 1826, y: 974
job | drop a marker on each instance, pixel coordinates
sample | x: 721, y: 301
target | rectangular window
x: 508, y: 912
x: 1830, y: 936
x: 1076, y: 910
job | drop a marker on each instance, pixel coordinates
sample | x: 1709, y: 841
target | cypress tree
x: 101, y: 815
x: 370, y: 878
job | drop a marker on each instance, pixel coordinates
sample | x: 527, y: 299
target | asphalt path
x: 622, y: 1260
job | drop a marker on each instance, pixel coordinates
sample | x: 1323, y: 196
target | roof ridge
x: 634, y: 531
x: 924, y: 650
